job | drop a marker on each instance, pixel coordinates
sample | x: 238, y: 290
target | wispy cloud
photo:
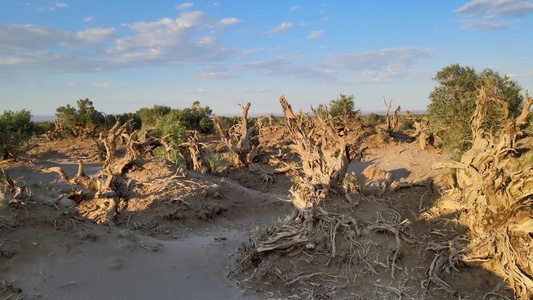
x: 295, y: 8
x: 53, y: 6
x: 101, y: 84
x: 315, y: 34
x: 88, y: 19
x: 375, y: 60
x: 484, y: 25
x: 283, y: 26
x: 490, y: 11
x: 184, y: 6
x: 253, y: 50
x: 215, y: 72
x: 230, y: 21
x: 500, y: 8
x: 285, y: 66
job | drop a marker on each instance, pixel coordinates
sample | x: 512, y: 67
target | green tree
x: 343, y: 106
x: 80, y: 120
x: 453, y: 102
x: 15, y: 128
x: 197, y: 118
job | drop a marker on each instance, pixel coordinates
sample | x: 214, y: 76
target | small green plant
x: 215, y: 162
x: 276, y: 222
x: 49, y: 190
x: 295, y: 180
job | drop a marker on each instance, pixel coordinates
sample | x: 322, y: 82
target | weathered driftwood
x: 240, y: 139
x: 497, y: 195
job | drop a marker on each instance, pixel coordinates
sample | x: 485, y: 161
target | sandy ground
x: 50, y: 251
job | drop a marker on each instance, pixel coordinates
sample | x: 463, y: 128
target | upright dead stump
x: 496, y: 190
x: 390, y: 126
x: 324, y: 158
x: 240, y: 139
x: 195, y: 154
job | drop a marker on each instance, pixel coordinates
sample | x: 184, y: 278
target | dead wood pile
x: 495, y: 185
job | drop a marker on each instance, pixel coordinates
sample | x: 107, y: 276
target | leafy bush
x: 15, y: 128
x: 78, y: 121
x: 227, y: 122
x: 374, y: 119
x: 453, y: 102
x: 343, y: 106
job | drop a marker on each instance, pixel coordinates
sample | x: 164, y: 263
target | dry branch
x: 497, y: 197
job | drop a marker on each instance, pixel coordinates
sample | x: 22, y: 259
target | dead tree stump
x: 241, y: 140
x: 496, y: 191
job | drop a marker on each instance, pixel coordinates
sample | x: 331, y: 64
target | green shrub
x: 453, y: 102
x: 15, y: 128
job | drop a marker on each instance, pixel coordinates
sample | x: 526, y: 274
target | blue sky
x: 128, y: 54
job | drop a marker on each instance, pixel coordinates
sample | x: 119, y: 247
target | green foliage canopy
x: 77, y: 120
x: 15, y: 128
x: 176, y: 121
x: 343, y: 106
x: 453, y: 102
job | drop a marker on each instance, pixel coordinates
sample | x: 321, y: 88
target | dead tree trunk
x: 324, y: 157
x: 390, y: 126
x: 497, y: 194
x: 110, y: 186
x: 421, y: 134
x: 195, y: 154
x: 240, y: 139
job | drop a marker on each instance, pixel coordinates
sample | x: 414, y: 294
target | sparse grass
x: 276, y: 222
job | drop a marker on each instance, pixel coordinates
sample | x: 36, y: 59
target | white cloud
x: 184, y: 6
x: 215, y: 72
x: 484, y: 25
x: 188, y: 39
x: 25, y: 37
x: 171, y: 41
x: 230, y: 21
x: 315, y: 34
x: 491, y: 10
x: 102, y: 84
x: 88, y: 19
x: 253, y: 50
x: 53, y: 6
x: 283, y: 26
x: 95, y: 35
x: 294, y: 8
x: 284, y: 66
x: 376, y: 59
x: 500, y: 8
